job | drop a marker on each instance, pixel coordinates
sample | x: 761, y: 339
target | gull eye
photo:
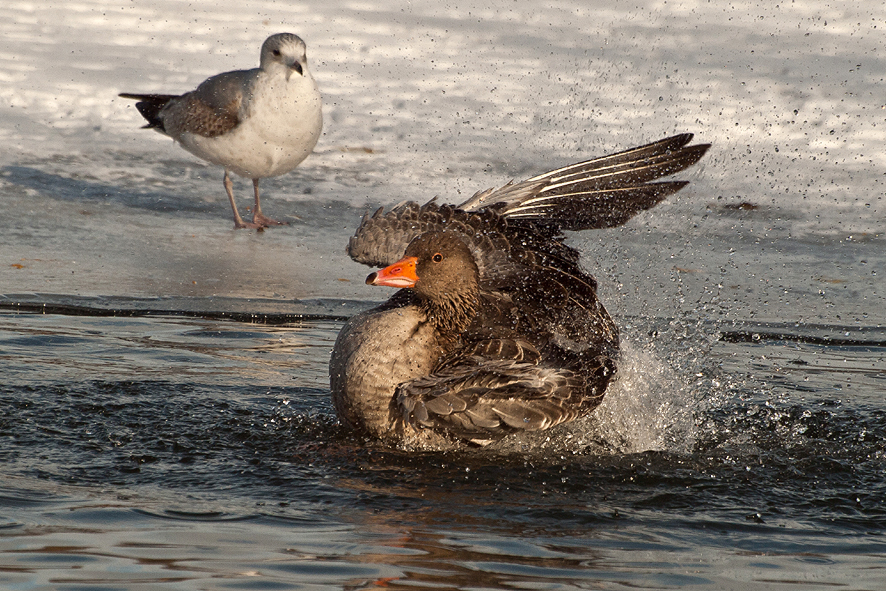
x: 276, y: 53
x: 437, y: 257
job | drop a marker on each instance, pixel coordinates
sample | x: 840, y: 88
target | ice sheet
x: 423, y: 99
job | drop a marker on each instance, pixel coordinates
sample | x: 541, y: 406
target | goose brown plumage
x: 496, y: 329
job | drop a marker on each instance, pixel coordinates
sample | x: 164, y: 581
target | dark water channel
x: 183, y: 451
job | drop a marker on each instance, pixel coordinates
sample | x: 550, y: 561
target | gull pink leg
x: 258, y: 217
x: 238, y: 221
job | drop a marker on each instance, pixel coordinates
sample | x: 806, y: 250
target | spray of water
x: 651, y: 406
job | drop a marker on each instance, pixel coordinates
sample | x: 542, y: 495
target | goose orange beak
x: 400, y: 274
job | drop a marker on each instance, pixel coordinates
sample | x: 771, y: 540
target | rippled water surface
x: 139, y: 451
x: 165, y: 419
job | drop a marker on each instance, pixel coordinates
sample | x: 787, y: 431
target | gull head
x: 287, y: 51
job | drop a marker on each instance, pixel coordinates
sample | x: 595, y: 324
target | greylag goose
x: 496, y: 328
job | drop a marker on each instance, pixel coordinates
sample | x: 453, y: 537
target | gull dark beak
x: 297, y: 67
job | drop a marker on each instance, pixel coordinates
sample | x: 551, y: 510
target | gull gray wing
x: 213, y: 109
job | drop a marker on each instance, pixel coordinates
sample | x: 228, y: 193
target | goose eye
x: 437, y: 257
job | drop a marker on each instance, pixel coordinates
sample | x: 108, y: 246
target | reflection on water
x: 103, y: 545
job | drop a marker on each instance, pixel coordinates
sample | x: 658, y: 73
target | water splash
x: 651, y: 406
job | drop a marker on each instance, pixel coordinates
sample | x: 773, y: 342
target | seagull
x: 255, y: 123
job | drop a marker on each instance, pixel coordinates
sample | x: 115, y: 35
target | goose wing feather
x: 492, y: 398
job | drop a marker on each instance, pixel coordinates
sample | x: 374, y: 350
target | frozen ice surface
x: 783, y: 221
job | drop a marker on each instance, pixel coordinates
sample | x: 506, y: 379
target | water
x: 204, y: 453
x: 164, y: 408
